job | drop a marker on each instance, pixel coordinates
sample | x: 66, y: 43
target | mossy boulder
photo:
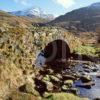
x: 74, y: 91
x: 86, y: 78
x: 54, y: 78
x: 46, y: 78
x: 68, y: 82
x: 49, y: 86
x: 59, y: 76
x: 65, y: 88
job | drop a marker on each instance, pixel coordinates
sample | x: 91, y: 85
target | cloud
x: 23, y: 2
x: 65, y: 3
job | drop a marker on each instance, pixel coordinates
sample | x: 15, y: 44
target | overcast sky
x: 56, y: 7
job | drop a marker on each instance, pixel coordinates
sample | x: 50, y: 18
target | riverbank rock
x: 59, y: 76
x: 86, y: 78
x: 85, y: 66
x: 87, y: 85
x: 94, y: 69
x: 46, y: 71
x: 46, y: 78
x: 65, y: 88
x: 87, y: 70
x: 74, y: 91
x: 68, y: 77
x: 98, y: 75
x: 49, y: 86
x: 69, y: 83
x: 54, y: 79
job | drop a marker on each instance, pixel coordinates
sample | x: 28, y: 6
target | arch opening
x: 57, y: 50
x: 55, y: 55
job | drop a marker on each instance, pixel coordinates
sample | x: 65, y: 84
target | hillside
x: 7, y: 19
x: 83, y: 19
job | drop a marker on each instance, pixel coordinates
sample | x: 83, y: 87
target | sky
x: 55, y: 7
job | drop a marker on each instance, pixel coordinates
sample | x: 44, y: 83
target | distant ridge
x: 83, y: 19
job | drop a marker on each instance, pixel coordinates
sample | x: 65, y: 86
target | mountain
x: 33, y: 13
x: 83, y: 19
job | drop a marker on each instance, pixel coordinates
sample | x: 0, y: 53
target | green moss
x: 69, y: 82
x: 88, y: 50
x: 63, y: 96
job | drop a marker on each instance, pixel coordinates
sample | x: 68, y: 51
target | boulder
x: 68, y: 77
x: 46, y: 78
x: 74, y: 91
x: 98, y: 76
x: 84, y: 86
x: 59, y: 76
x: 64, y: 88
x: 87, y: 70
x: 46, y: 71
x: 49, y: 86
x: 87, y: 85
x: 50, y: 71
x: 94, y: 69
x: 54, y: 79
x: 69, y: 83
x: 86, y: 78
x: 86, y: 67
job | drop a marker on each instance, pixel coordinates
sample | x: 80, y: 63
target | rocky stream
x: 81, y: 78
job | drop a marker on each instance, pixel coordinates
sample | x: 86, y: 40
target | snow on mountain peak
x: 33, y: 12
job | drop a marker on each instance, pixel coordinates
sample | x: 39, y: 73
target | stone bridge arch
x: 57, y: 50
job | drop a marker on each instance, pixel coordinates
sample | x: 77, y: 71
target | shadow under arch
x: 57, y: 54
x: 57, y: 49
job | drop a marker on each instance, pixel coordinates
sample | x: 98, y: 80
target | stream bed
x: 94, y: 92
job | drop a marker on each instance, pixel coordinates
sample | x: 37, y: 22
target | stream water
x: 94, y: 92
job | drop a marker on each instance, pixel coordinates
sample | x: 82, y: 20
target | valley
x: 26, y: 44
